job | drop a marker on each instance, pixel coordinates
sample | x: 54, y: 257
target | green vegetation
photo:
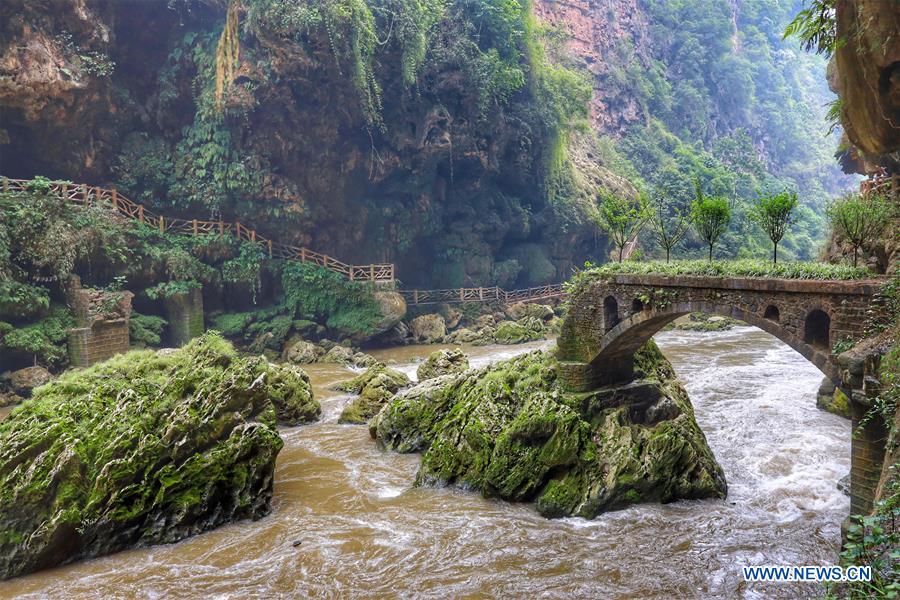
x: 621, y: 218
x: 142, y: 449
x: 710, y: 217
x: 731, y: 268
x: 774, y: 213
x: 668, y: 223
x: 859, y: 220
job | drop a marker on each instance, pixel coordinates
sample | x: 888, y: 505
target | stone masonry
x: 185, y: 315
x: 610, y: 319
x: 103, y: 323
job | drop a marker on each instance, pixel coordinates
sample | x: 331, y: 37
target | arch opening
x: 637, y: 305
x: 772, y: 313
x: 610, y: 313
x: 816, y: 329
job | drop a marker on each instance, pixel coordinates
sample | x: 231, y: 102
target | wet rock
x: 509, y: 430
x: 292, y: 395
x: 521, y: 310
x: 428, y: 329
x: 9, y: 399
x: 843, y: 485
x: 463, y: 336
x: 25, y: 380
x: 485, y: 321
x: 376, y: 387
x: 347, y: 356
x: 138, y: 450
x: 518, y: 332
x: 832, y: 399
x: 303, y: 353
x: 443, y: 362
x: 392, y: 307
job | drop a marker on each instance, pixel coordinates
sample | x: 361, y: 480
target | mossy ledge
x: 145, y: 448
x: 510, y: 431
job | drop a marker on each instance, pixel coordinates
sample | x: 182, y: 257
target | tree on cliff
x: 668, y: 222
x: 859, y: 220
x: 774, y: 213
x: 621, y: 218
x: 710, y: 216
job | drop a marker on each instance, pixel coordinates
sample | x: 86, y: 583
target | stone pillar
x: 185, y: 315
x: 103, y: 323
x: 866, y: 457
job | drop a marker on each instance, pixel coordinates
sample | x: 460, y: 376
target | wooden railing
x: 889, y: 185
x: 482, y: 294
x: 109, y: 198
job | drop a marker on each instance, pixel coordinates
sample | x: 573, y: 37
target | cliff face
x: 450, y: 185
x: 604, y: 35
x: 866, y: 75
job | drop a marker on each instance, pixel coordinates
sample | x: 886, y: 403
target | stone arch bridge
x: 609, y: 319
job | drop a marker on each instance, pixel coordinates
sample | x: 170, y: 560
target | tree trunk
x: 855, y: 254
x: 667, y: 255
x: 621, y: 249
x: 775, y: 254
x: 710, y: 252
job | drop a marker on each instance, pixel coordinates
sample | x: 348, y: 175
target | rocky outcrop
x: 428, y: 329
x: 867, y: 74
x: 145, y: 448
x: 292, y: 395
x: 376, y: 386
x: 831, y: 399
x: 511, y: 431
x: 443, y: 362
x: 23, y: 381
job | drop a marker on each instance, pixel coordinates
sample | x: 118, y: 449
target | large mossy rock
x: 292, y: 395
x: 142, y: 449
x: 443, y: 362
x: 509, y: 430
x: 376, y: 387
x: 527, y: 329
x: 428, y: 329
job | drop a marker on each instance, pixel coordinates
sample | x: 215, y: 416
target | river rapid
x: 347, y: 523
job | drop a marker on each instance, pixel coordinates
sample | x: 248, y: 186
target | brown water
x: 363, y: 531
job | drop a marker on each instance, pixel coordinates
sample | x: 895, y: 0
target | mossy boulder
x: 347, y: 356
x: 301, y: 352
x: 527, y: 329
x: 511, y: 431
x: 25, y: 380
x: 443, y: 362
x: 292, y: 395
x: 376, y: 387
x: 145, y: 448
x: 831, y: 399
x: 428, y: 329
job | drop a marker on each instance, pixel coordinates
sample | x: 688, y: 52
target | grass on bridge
x: 725, y: 268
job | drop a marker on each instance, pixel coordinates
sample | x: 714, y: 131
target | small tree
x: 859, y: 220
x: 668, y: 222
x: 621, y: 218
x: 774, y: 213
x: 710, y: 216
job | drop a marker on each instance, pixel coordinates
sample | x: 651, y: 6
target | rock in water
x: 443, y: 362
x: 292, y: 395
x: 145, y: 448
x: 375, y: 387
x: 428, y: 329
x: 510, y: 430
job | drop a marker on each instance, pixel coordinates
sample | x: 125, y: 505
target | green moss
x: 376, y: 387
x: 141, y: 449
x: 509, y: 430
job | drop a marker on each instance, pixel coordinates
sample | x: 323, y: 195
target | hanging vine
x: 227, y: 53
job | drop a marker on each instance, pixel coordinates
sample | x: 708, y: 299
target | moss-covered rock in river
x: 443, y: 362
x: 142, y: 449
x: 292, y: 395
x: 376, y: 387
x: 509, y: 430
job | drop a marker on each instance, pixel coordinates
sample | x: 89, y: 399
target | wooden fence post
x: 237, y: 229
x: 115, y: 199
x: 481, y: 294
x: 462, y: 294
x: 270, y: 248
x: 162, y: 224
x: 195, y: 227
x: 141, y: 213
x: 415, y: 296
x: 5, y: 185
x: 372, y: 268
x: 221, y: 227
x: 253, y: 235
x: 303, y: 255
x: 84, y: 193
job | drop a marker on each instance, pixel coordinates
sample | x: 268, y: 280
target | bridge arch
x: 615, y: 354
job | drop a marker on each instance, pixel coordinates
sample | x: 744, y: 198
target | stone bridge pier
x: 609, y: 319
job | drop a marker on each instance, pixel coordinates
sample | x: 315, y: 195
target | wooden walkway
x: 482, y: 294
x: 86, y: 195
